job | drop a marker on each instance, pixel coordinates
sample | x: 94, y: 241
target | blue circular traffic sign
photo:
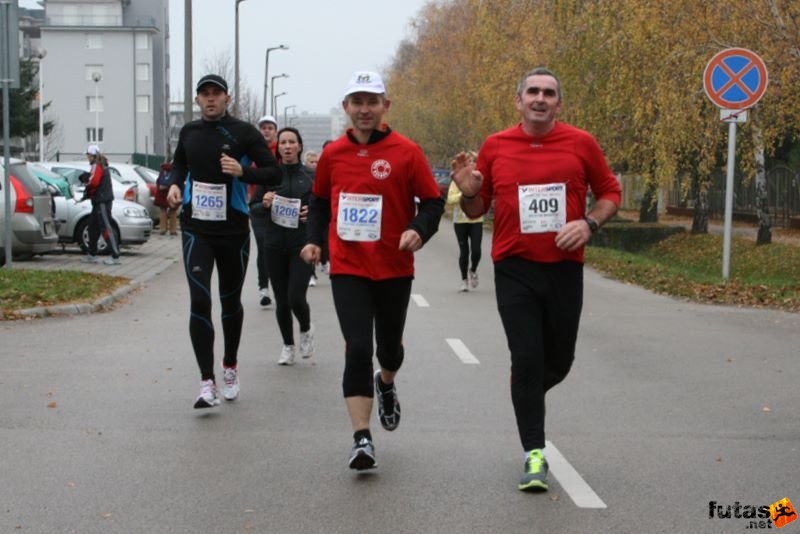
x: 735, y: 78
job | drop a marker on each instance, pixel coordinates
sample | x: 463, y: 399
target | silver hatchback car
x: 33, y: 229
x: 131, y: 222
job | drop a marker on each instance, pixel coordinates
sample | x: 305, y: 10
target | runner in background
x: 284, y: 237
x: 268, y: 127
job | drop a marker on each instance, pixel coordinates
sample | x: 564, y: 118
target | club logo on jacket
x: 381, y: 169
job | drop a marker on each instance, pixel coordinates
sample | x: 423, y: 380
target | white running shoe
x: 463, y: 288
x: 473, y: 279
x: 89, y: 259
x: 287, y: 355
x: 312, y: 281
x: 307, y: 343
x: 112, y: 261
x: 208, y: 395
x: 230, y: 384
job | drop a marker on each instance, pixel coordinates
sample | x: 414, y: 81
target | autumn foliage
x: 631, y: 71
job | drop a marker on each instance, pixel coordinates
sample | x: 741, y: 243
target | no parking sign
x: 735, y: 79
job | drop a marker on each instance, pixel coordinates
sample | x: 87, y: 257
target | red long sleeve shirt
x: 565, y: 155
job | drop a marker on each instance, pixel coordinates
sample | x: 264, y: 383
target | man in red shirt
x: 538, y: 173
x: 364, y: 188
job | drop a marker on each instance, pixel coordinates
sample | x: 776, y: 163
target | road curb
x: 80, y: 308
x: 102, y: 304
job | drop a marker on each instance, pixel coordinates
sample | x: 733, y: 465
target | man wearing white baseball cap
x: 268, y: 127
x: 364, y: 190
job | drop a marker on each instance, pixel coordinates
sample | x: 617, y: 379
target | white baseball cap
x: 365, y: 82
x: 93, y: 150
x: 267, y: 118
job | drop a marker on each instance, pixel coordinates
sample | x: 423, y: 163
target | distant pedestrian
x: 469, y: 235
x: 99, y: 189
x: 168, y: 216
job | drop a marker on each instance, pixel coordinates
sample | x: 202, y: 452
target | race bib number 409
x: 209, y: 201
x: 542, y: 208
x: 359, y: 217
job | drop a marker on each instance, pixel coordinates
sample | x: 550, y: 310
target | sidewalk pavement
x: 139, y: 264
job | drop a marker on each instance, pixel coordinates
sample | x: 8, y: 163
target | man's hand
x: 268, y: 199
x: 573, y: 235
x: 174, y: 196
x: 311, y: 254
x: 230, y: 166
x: 410, y: 241
x: 468, y: 180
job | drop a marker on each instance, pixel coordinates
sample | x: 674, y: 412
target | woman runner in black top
x: 285, y: 236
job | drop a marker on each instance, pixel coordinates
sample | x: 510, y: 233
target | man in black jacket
x: 212, y: 165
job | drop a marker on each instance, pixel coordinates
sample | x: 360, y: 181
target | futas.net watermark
x: 775, y: 515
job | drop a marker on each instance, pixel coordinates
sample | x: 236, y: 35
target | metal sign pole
x: 7, y: 48
x: 726, y: 240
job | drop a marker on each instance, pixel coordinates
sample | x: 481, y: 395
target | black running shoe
x: 363, y: 455
x: 388, y: 405
x: 265, y: 300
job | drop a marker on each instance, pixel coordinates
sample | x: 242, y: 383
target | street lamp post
x: 287, y: 108
x: 42, y: 52
x: 275, y: 100
x: 272, y: 85
x: 266, y: 74
x: 96, y: 76
x: 236, y: 63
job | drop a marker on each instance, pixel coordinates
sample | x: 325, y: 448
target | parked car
x: 443, y: 180
x: 146, y: 182
x: 72, y: 171
x: 57, y: 184
x: 33, y: 228
x: 131, y: 223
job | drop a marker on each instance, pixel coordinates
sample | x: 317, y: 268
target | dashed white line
x: 419, y: 300
x: 579, y: 491
x: 462, y: 351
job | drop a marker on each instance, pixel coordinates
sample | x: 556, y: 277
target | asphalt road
x: 669, y: 406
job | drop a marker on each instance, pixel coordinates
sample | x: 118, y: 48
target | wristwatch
x: 593, y: 226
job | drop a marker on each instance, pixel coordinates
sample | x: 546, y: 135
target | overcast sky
x: 328, y: 40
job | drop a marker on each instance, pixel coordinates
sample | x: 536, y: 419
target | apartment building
x: 105, y: 73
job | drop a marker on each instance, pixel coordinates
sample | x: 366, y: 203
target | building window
x: 91, y: 135
x: 143, y: 72
x: 143, y: 104
x: 142, y: 41
x: 94, y: 104
x: 94, y: 40
x: 90, y: 70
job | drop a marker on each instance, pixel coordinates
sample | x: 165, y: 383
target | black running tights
x: 540, y: 307
x: 200, y: 253
x: 289, y: 275
x: 361, y: 305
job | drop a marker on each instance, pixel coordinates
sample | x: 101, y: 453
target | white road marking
x: 419, y: 300
x: 462, y: 351
x: 579, y: 491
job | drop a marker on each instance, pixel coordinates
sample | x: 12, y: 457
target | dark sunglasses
x: 550, y: 93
